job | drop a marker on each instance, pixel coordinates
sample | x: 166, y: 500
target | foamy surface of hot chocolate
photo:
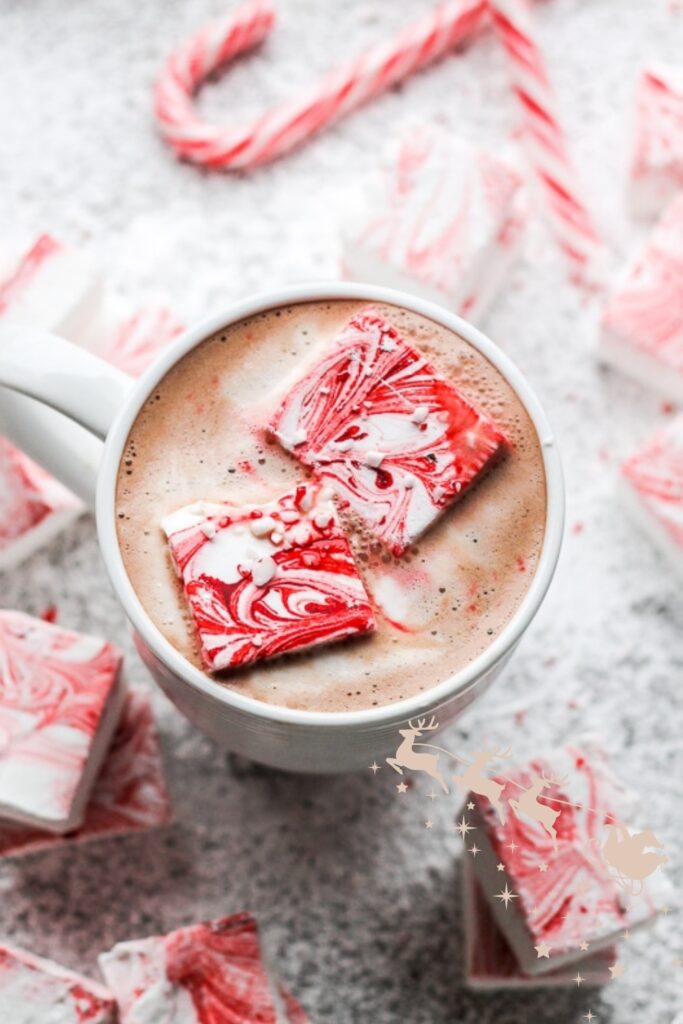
x: 201, y: 436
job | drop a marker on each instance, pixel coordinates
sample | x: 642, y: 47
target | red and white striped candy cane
x: 280, y: 129
x: 545, y: 141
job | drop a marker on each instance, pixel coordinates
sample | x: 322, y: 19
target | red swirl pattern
x: 22, y: 501
x: 646, y: 310
x: 575, y: 898
x: 363, y: 398
x: 140, y: 338
x: 314, y: 596
x: 655, y: 473
x: 49, y: 992
x: 218, y: 964
x: 657, y: 158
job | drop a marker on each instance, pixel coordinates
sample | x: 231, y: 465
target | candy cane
x: 278, y: 130
x: 545, y: 140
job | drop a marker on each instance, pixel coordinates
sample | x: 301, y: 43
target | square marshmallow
x: 213, y: 971
x: 652, y: 481
x: 396, y: 440
x: 656, y: 173
x: 491, y: 964
x: 261, y: 580
x: 445, y: 222
x: 60, y: 701
x: 564, y: 893
x: 129, y: 795
x: 34, y: 507
x: 38, y: 991
x: 642, y: 322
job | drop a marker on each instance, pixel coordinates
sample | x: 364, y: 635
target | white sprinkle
x: 326, y: 494
x: 373, y: 459
x: 442, y: 417
x: 263, y: 526
x: 387, y: 345
x: 263, y: 571
x: 439, y: 493
x: 299, y: 535
x: 288, y: 515
x: 324, y: 391
x: 344, y: 446
x: 257, y: 640
x: 322, y: 520
x: 306, y: 503
x: 276, y: 537
x: 471, y: 438
x: 209, y: 530
x: 458, y: 487
x: 409, y: 481
x: 299, y: 436
x: 420, y: 414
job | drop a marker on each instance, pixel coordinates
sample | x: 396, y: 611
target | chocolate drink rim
x: 457, y: 684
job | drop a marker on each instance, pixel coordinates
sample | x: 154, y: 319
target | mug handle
x: 57, y: 402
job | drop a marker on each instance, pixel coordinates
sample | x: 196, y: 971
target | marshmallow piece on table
x: 38, y: 991
x: 652, y: 483
x: 51, y: 286
x: 265, y: 579
x: 130, y: 339
x: 563, y: 894
x: 642, y: 321
x: 213, y: 971
x: 490, y: 962
x: 374, y: 420
x: 60, y: 701
x: 34, y: 507
x: 656, y: 172
x: 445, y: 223
x: 129, y: 795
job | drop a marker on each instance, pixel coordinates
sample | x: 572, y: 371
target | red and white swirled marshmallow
x: 130, y: 794
x: 203, y: 974
x: 263, y: 580
x: 445, y: 221
x: 652, y: 480
x: 656, y: 173
x: 60, y: 701
x: 565, y: 892
x: 396, y: 440
x: 642, y: 322
x: 34, y: 507
x: 38, y: 991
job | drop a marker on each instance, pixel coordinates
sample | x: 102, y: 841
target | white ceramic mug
x: 46, y: 373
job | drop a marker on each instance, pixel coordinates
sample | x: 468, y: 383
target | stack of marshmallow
x: 51, y: 286
x: 561, y: 854
x: 203, y: 974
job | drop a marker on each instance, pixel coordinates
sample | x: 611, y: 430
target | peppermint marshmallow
x: 33, y: 506
x: 129, y: 795
x: 652, y: 482
x: 130, y: 339
x: 444, y: 222
x: 490, y: 962
x: 642, y: 322
x: 656, y: 172
x: 272, y: 578
x: 205, y: 973
x: 49, y: 285
x: 38, y: 991
x: 395, y: 440
x: 567, y: 889
x: 60, y: 701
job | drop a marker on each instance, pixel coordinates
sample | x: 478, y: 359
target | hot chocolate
x: 203, y: 436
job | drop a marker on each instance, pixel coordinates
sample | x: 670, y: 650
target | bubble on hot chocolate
x: 394, y: 438
x: 261, y: 580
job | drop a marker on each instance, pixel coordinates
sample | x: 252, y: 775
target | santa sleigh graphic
x: 631, y: 856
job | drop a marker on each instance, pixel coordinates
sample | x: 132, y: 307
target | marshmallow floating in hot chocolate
x: 130, y: 793
x: 642, y: 322
x: 205, y: 973
x: 60, y: 700
x: 33, y: 506
x: 653, y: 484
x: 49, y: 285
x: 38, y: 991
x: 563, y: 864
x: 490, y: 962
x: 261, y: 580
x: 396, y: 440
x: 445, y: 222
x: 657, y: 158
